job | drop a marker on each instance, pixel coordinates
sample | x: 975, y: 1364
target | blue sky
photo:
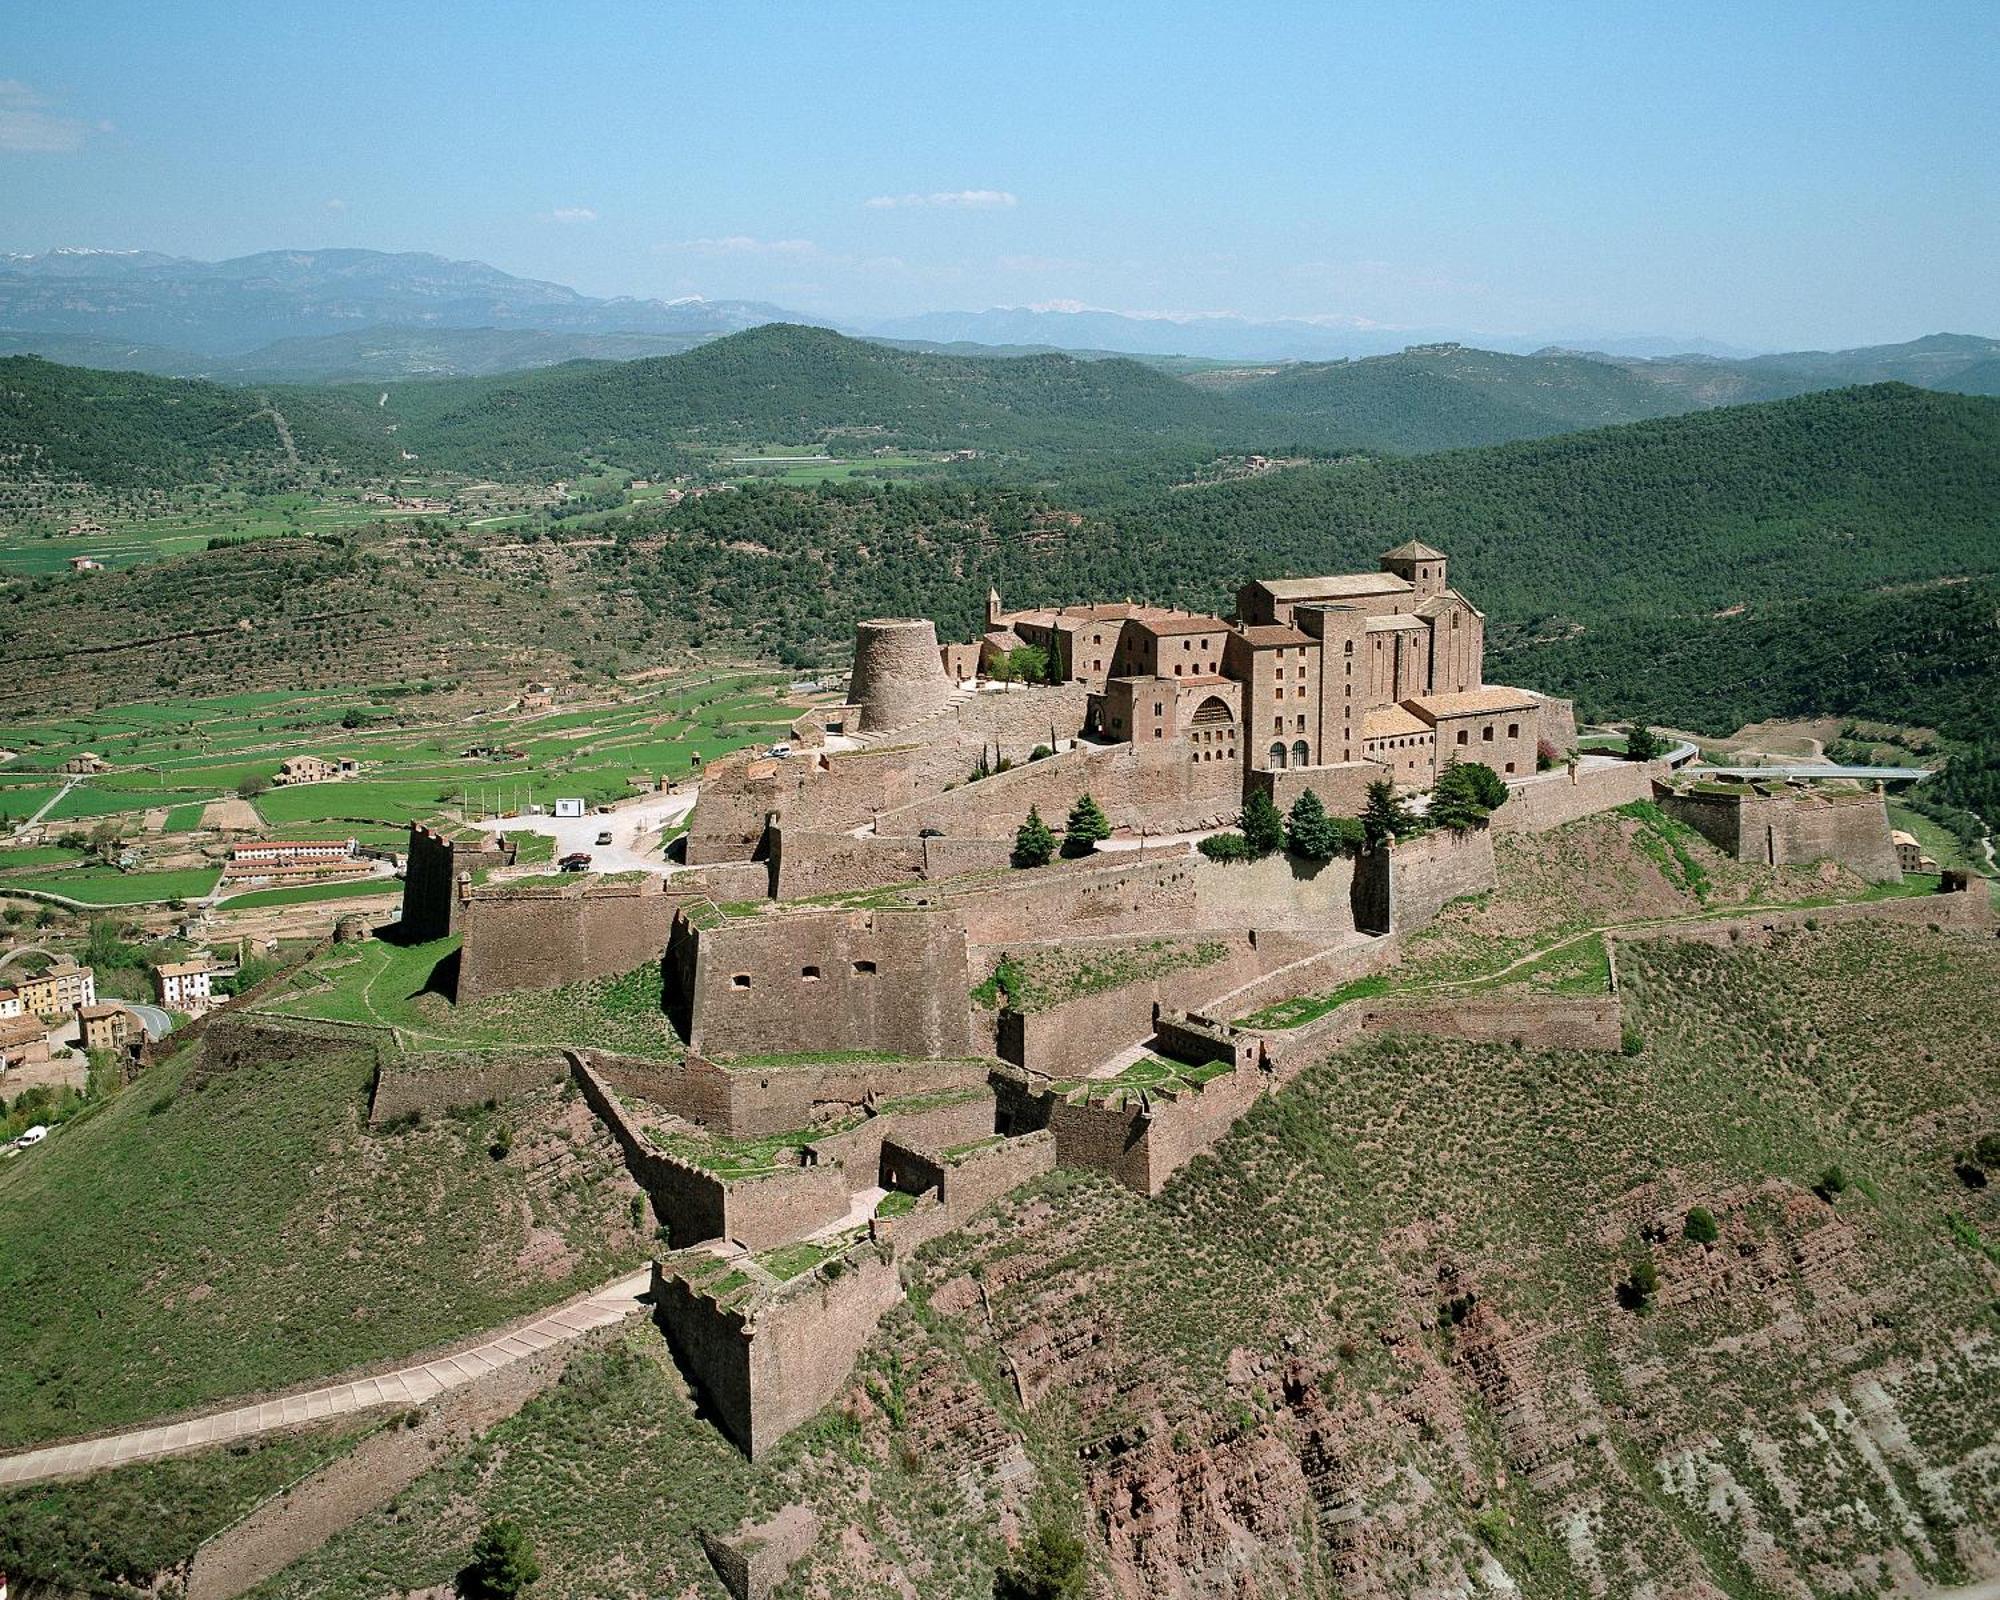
x: 1767, y: 173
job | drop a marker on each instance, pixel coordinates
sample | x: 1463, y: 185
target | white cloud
x: 570, y: 214
x: 961, y: 199
x: 28, y: 127
x: 1041, y: 264
x: 336, y: 205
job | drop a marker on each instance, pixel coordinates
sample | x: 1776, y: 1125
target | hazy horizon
x: 1788, y: 178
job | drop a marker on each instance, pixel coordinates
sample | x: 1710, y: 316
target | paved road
x: 157, y: 1023
x: 407, y: 1386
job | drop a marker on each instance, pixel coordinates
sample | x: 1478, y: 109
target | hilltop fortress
x: 877, y: 1005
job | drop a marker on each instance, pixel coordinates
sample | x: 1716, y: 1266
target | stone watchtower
x: 899, y: 674
x: 1419, y: 565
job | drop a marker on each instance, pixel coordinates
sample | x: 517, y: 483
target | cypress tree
x: 1262, y: 825
x: 1086, y: 824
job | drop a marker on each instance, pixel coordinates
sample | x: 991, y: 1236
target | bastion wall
x: 1794, y: 827
x: 1553, y: 798
x: 808, y: 981
x: 432, y: 868
x: 545, y: 936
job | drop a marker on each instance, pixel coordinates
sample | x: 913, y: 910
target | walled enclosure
x: 765, y: 1367
x: 544, y: 936
x: 793, y: 982
x: 1795, y: 826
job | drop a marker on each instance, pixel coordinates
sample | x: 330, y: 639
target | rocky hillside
x: 1439, y: 1319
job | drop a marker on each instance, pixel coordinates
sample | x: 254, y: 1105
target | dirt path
x: 405, y: 1386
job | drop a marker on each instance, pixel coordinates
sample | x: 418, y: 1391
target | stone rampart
x: 1797, y: 825
x: 1068, y: 1039
x: 1950, y: 913
x: 437, y: 869
x: 768, y: 1365
x: 757, y: 1557
x: 696, y: 1205
x: 1155, y: 788
x: 230, y: 1044
x: 1553, y: 798
x: 432, y: 1083
x: 1342, y: 789
x: 1199, y: 1039
x: 940, y: 1127
x: 1535, y: 1022
x: 1313, y: 974
x: 884, y: 980
x: 545, y: 936
x: 1279, y: 892
x: 808, y: 864
x: 1121, y: 892
x: 1410, y: 882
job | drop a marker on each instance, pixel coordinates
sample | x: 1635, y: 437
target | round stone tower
x: 899, y: 674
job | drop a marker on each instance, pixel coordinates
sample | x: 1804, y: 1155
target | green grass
x: 1296, y: 1013
x: 38, y: 855
x: 383, y: 985
x: 112, y: 1532
x: 308, y: 893
x: 790, y: 1260
x: 896, y: 1203
x: 107, y: 886
x: 180, y: 1245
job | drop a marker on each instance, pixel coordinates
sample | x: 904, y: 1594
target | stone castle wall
x: 1342, y: 789
x: 811, y: 864
x: 1138, y: 786
x: 432, y: 1083
x: 546, y: 936
x: 764, y: 1370
x: 1406, y: 885
x: 432, y: 867
x: 696, y: 1205
x: 792, y: 982
x: 1556, y: 797
x: 1795, y: 827
x: 941, y: 1127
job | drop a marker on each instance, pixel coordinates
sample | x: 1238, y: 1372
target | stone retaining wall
x: 431, y: 1083
x: 1553, y: 798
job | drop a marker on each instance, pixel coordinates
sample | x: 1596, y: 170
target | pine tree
x: 1309, y: 831
x: 503, y: 1564
x: 1034, y: 845
x: 1086, y: 824
x: 1385, y: 816
x: 1262, y: 825
x: 1642, y: 744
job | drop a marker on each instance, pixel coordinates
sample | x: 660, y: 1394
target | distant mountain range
x: 225, y: 308
x: 1234, y: 338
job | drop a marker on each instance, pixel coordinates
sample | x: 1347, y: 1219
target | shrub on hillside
x: 503, y: 1564
x: 1048, y: 1566
x: 1034, y: 845
x: 1701, y: 1226
x: 1226, y: 847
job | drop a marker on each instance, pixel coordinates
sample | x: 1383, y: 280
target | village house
x: 291, y: 852
x: 90, y: 761
x: 10, y: 1003
x: 313, y: 769
x: 59, y: 990
x: 1910, y: 855
x: 106, y: 1027
x: 85, y: 564
x: 184, y: 985
x: 24, y: 1042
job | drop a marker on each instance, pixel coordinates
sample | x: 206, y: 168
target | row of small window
x: 864, y: 969
x: 1212, y: 755
x: 1278, y: 724
x: 1486, y: 733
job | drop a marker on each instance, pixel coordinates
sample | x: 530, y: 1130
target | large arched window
x: 1301, y: 754
x: 1212, y: 713
x: 1278, y: 754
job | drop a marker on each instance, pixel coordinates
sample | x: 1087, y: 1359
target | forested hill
x: 788, y: 383
x: 128, y: 429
